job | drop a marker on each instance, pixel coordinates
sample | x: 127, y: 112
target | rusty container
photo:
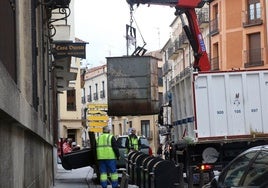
x: 132, y: 85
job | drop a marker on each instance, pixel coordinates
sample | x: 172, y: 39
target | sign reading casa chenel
x: 64, y: 49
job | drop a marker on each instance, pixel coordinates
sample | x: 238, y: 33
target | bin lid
x: 146, y: 160
x: 171, y: 175
x: 134, y: 156
x: 140, y: 159
x: 151, y: 163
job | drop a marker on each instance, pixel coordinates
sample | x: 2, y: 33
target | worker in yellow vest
x: 107, y: 154
x: 133, y: 142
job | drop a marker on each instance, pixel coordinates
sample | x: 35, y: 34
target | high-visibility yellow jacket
x: 104, y: 147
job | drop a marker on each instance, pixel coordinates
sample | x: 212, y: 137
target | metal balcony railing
x: 214, y: 26
x: 102, y: 94
x: 252, y: 17
x: 171, y: 51
x: 215, y: 63
x: 83, y: 99
x: 203, y: 17
x: 183, y: 40
x: 254, y: 57
x: 89, y: 98
x: 95, y: 96
x: 71, y: 107
x: 166, y: 68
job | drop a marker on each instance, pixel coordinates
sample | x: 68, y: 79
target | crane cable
x: 131, y: 21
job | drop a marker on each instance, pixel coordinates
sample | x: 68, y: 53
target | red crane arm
x: 196, y: 40
x: 192, y: 30
x: 179, y: 3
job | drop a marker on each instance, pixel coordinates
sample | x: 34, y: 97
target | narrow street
x: 77, y: 178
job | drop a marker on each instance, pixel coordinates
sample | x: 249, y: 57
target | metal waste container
x: 138, y: 167
x: 149, y: 168
x: 164, y: 174
x: 132, y: 163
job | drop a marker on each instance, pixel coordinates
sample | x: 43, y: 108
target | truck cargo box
x: 132, y: 85
x: 221, y: 105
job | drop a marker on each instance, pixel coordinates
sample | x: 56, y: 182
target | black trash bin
x: 164, y: 174
x: 149, y: 167
x: 129, y: 157
x: 144, y: 170
x: 138, y: 167
x: 132, y: 164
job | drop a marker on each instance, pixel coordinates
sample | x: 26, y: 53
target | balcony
x: 214, y: 26
x: 184, y: 73
x: 252, y: 17
x: 215, y: 63
x: 83, y: 100
x: 203, y: 17
x: 183, y: 41
x: 254, y: 57
x: 71, y: 107
x: 102, y: 94
x: 89, y: 98
x: 171, y: 53
x: 95, y: 96
x: 166, y: 68
x: 178, y: 45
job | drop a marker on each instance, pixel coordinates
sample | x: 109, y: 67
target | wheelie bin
x: 164, y: 173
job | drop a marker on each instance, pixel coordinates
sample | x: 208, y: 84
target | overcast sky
x: 102, y: 24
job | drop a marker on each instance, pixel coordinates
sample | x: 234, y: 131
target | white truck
x: 215, y: 116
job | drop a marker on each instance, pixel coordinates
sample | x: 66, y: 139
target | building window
x: 215, y: 58
x: 130, y: 124
x: 254, y: 9
x: 8, y: 38
x: 83, y: 97
x: 89, y: 98
x: 214, y: 23
x: 103, y: 85
x: 102, y: 92
x: 253, y: 14
x: 71, y: 103
x: 71, y: 133
x: 255, y: 52
x: 160, y: 77
x: 120, y: 129
x: 145, y: 128
x: 89, y: 90
x: 95, y: 95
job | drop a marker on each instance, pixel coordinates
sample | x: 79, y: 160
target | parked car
x: 249, y: 169
x: 121, y: 142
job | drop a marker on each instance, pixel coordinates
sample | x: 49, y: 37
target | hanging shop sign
x: 65, y: 49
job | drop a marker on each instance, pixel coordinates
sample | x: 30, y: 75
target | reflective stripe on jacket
x: 104, y: 147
